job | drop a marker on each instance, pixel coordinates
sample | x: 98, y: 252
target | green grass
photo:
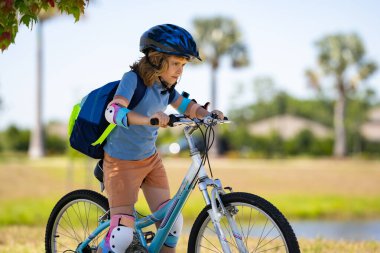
x: 328, y: 207
x: 301, y: 189
x: 25, y: 211
x: 30, y: 211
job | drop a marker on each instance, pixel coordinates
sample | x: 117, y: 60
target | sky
x: 79, y: 57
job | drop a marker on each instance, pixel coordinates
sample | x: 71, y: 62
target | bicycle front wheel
x: 261, y: 226
x: 72, y: 220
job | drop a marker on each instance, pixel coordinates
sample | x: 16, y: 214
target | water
x: 338, y: 230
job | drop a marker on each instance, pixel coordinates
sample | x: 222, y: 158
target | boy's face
x: 175, y: 68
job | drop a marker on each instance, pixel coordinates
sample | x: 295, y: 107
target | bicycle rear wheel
x: 261, y: 225
x: 72, y: 220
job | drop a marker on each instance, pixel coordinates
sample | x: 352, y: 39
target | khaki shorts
x: 123, y: 178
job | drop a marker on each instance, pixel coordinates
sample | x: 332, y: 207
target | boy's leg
x: 155, y: 197
x: 156, y: 191
x: 120, y: 233
x: 122, y: 180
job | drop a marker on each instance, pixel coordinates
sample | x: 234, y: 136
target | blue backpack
x: 88, y: 127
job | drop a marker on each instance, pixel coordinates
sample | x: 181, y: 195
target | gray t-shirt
x: 137, y: 142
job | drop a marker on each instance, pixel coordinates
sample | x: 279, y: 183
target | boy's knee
x: 120, y: 239
x: 120, y: 233
x: 174, y: 233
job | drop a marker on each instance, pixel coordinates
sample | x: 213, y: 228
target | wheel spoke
x: 77, y: 216
x: 259, y: 231
x: 274, y: 248
x: 270, y: 242
x: 210, y: 243
x: 261, y: 235
x: 67, y: 219
x: 211, y: 249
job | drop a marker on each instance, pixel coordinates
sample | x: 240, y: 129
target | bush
x: 16, y: 139
x: 273, y: 145
x: 55, y: 145
x: 371, y: 148
x: 305, y: 143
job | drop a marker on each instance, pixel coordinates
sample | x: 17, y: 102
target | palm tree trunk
x: 213, y: 88
x: 339, y: 128
x: 36, y: 145
x: 214, y: 151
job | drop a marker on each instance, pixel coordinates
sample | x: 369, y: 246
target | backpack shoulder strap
x: 139, y: 93
x: 171, y: 96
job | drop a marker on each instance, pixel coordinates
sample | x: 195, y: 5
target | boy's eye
x: 179, y: 64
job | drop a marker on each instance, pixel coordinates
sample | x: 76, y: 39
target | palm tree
x: 36, y: 146
x: 217, y: 37
x: 341, y: 57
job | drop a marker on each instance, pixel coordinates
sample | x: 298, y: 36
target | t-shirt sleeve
x: 127, y: 86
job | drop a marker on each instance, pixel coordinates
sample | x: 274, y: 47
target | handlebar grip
x: 215, y: 116
x: 172, y: 120
x: 154, y: 121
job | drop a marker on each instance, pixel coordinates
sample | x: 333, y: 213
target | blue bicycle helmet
x: 169, y: 39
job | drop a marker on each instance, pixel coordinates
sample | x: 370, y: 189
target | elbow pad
x: 116, y: 114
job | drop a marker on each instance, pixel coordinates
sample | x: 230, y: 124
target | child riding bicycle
x: 131, y: 160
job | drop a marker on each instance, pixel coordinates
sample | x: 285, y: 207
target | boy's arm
x: 193, y: 109
x: 133, y: 118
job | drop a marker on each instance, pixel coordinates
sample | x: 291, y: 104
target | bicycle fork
x: 217, y: 212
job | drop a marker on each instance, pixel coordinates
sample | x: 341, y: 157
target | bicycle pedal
x: 149, y: 236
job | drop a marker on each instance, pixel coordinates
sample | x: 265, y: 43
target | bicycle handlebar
x: 180, y: 119
x: 154, y: 121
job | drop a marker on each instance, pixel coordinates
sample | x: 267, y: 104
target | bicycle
x: 230, y: 221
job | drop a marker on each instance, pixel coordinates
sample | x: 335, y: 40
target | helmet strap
x: 152, y: 64
x: 166, y: 86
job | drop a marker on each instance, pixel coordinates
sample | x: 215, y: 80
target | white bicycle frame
x: 217, y: 210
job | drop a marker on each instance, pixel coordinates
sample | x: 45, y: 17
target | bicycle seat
x: 98, y: 171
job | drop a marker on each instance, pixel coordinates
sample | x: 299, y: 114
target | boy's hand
x: 163, y: 118
x: 218, y: 113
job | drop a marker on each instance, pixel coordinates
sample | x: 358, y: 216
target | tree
x: 341, y: 58
x: 1, y: 102
x: 37, y: 140
x: 14, y: 13
x: 215, y: 38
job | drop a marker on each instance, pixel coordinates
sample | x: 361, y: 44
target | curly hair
x: 151, y: 66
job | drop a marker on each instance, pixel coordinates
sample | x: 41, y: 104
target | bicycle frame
x: 170, y: 212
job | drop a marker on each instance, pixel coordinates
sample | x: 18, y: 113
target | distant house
x: 288, y: 126
x: 370, y: 130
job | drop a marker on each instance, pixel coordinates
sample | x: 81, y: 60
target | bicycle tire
x: 203, y: 238
x: 72, y: 220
